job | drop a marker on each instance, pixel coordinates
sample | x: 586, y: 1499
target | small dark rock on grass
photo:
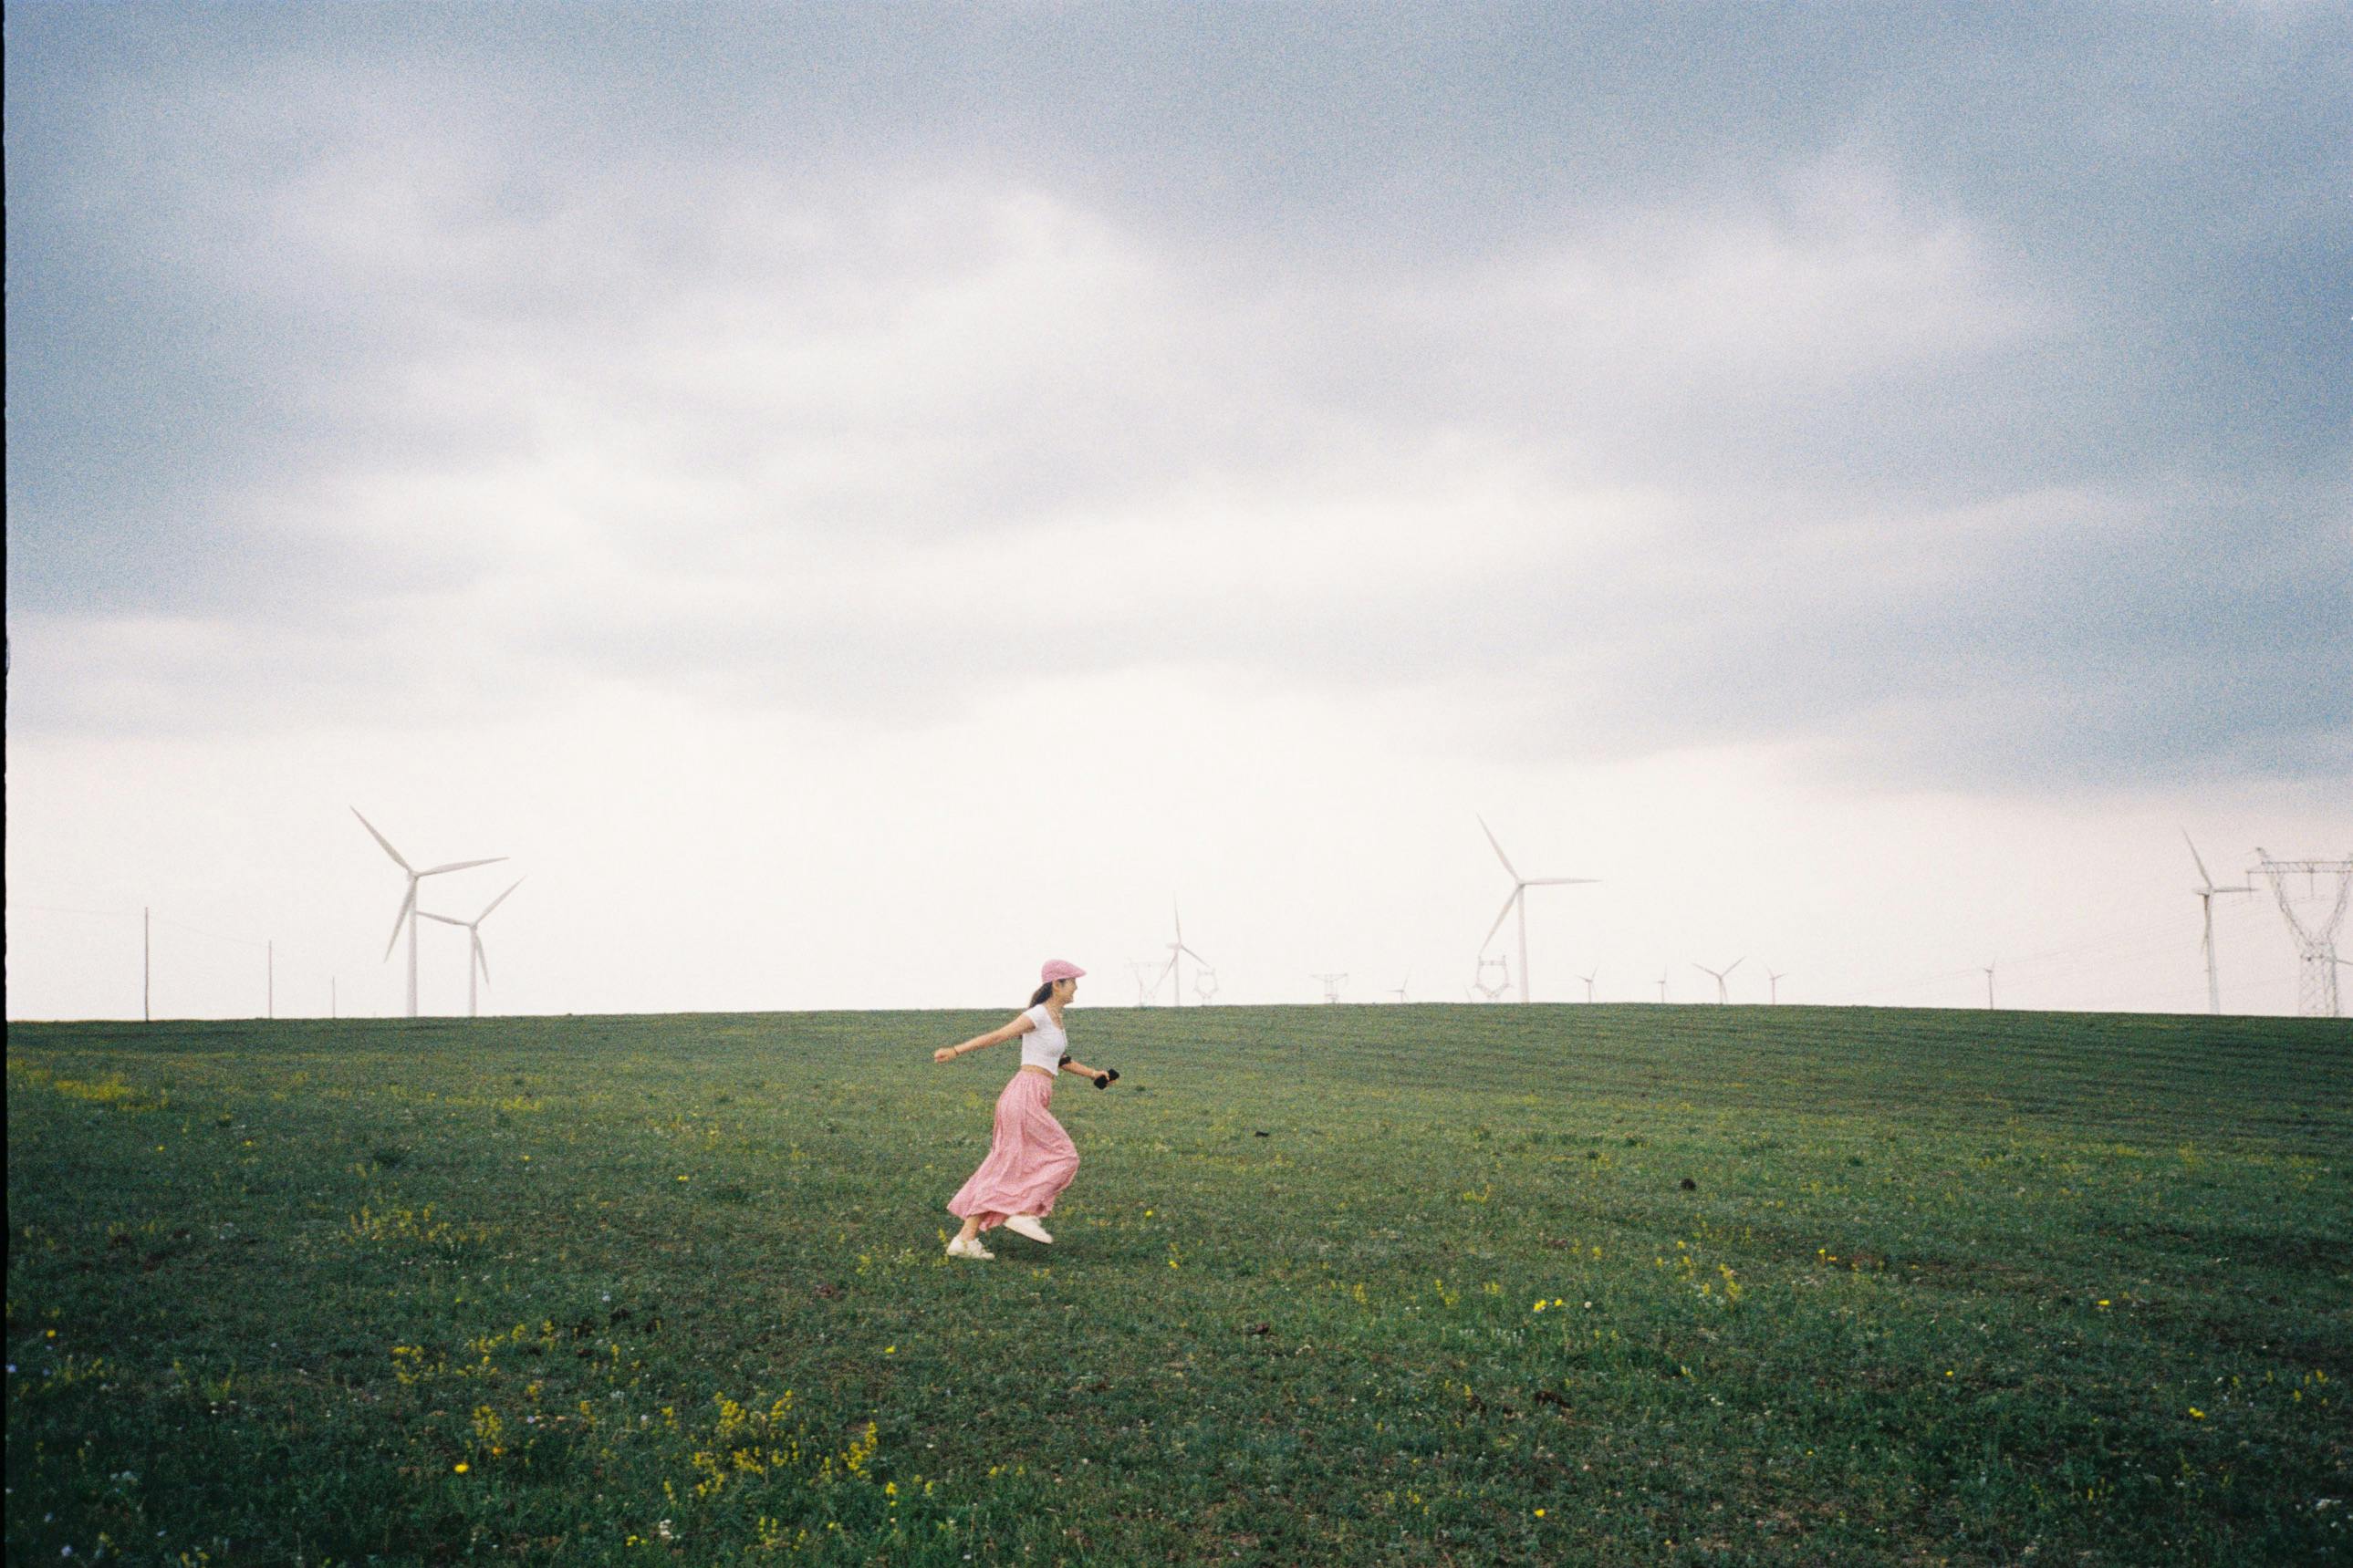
x: 1690, y: 1185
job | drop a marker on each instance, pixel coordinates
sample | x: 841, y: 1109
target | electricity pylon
x: 2316, y: 944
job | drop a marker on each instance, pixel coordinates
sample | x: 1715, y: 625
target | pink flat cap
x: 1059, y: 969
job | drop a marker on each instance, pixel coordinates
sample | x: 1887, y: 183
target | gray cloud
x: 1972, y: 386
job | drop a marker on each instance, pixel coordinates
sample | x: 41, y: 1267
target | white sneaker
x: 959, y: 1247
x: 1026, y: 1225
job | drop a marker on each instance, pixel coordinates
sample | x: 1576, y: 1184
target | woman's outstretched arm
x: 1014, y: 1030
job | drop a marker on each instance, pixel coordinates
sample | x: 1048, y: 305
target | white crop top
x: 1043, y: 1045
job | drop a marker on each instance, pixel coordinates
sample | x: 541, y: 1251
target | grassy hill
x: 1403, y: 1284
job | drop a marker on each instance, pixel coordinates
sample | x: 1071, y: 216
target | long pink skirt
x: 1030, y: 1158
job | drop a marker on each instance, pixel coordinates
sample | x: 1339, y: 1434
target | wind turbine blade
x: 1704, y: 969
x: 380, y: 838
x: 1507, y: 859
x: 445, y: 919
x: 2203, y: 875
x: 499, y: 900
x: 461, y: 864
x: 406, y: 900
x: 482, y: 956
x: 1499, y: 919
x: 1560, y: 881
x: 1736, y: 964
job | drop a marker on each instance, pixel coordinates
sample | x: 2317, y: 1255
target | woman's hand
x: 945, y: 1054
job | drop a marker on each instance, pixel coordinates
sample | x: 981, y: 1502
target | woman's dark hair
x: 1042, y: 994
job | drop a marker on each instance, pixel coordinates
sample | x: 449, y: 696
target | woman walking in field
x: 1030, y: 1158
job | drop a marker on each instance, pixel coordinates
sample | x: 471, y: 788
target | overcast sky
x: 858, y: 500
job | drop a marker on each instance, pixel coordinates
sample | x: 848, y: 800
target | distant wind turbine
x: 1400, y: 992
x: 1662, y: 985
x: 407, y: 915
x: 1775, y: 980
x: 1519, y: 901
x: 1177, y: 951
x: 1720, y: 995
x: 1589, y: 983
x: 476, y: 958
x: 2206, y: 900
x: 1988, y: 974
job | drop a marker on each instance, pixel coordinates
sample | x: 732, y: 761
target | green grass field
x: 1416, y: 1285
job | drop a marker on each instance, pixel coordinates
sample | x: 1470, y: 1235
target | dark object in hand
x: 1106, y: 1078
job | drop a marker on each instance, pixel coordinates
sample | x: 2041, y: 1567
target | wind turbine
x: 1721, y: 997
x: 1589, y: 983
x: 407, y: 915
x: 1775, y: 981
x: 1400, y: 992
x: 1179, y: 951
x: 1662, y: 985
x: 476, y: 959
x: 2206, y: 900
x: 1988, y: 974
x: 1519, y: 899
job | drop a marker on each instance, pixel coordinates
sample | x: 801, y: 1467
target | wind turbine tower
x: 1519, y: 901
x: 407, y: 915
x: 2316, y: 940
x: 1722, y: 996
x: 1775, y: 980
x: 477, y: 961
x: 1662, y: 985
x: 2206, y: 900
x: 1988, y: 974
x: 1588, y: 984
